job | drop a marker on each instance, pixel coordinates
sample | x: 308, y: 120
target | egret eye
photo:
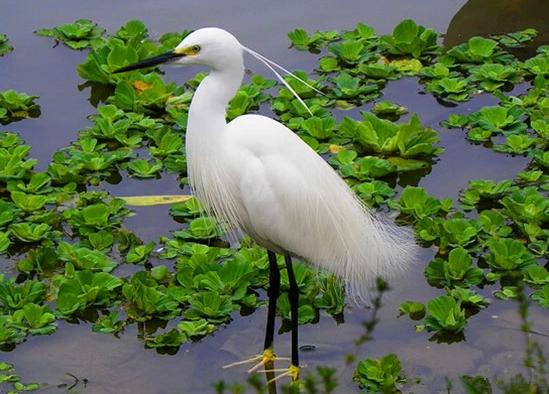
x: 195, y: 49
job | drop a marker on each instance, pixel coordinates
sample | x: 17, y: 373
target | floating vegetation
x: 71, y: 248
x: 80, y: 34
x: 16, y: 106
x: 5, y: 46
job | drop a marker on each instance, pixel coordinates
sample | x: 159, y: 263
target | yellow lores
x: 187, y: 51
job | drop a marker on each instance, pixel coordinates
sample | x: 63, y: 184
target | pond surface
x: 494, y: 345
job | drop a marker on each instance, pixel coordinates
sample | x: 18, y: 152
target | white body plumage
x: 257, y: 176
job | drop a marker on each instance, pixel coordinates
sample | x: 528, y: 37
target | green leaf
x: 85, y: 258
x: 415, y: 201
x: 299, y: 38
x: 196, y: 328
x: 14, y: 297
x: 508, y: 254
x: 28, y: 202
x: 30, y: 232
x: 542, y: 296
x: 210, y: 306
x: 379, y: 375
x: 415, y: 310
x: 5, y: 46
x: 140, y: 253
x: 444, y: 313
x: 108, y: 324
x: 86, y: 289
x: 172, y: 338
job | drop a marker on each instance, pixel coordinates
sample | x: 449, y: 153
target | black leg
x: 274, y: 290
x: 294, y: 304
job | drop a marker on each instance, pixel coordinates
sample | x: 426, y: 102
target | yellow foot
x: 292, y: 371
x: 265, y: 359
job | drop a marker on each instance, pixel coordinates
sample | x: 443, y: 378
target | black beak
x: 152, y: 61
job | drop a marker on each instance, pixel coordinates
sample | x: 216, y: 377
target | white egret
x: 257, y: 176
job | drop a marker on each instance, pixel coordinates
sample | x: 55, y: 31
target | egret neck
x: 206, y: 138
x: 208, y: 109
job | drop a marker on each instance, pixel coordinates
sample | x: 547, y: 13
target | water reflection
x: 487, y: 17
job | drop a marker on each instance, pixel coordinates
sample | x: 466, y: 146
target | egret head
x: 209, y: 46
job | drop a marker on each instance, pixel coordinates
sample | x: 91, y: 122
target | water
x: 106, y: 364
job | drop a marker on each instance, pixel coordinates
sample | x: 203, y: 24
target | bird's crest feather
x: 271, y: 65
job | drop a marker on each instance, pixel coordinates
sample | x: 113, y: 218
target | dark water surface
x: 493, y: 344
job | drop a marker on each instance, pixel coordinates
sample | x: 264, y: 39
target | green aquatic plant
x: 475, y: 50
x: 416, y: 202
x: 457, y: 231
x: 103, y: 215
x: 144, y: 93
x: 408, y: 38
x: 30, y: 232
x: 80, y: 34
x: 196, y: 328
x: 470, y: 301
x: 187, y: 209
x: 458, y: 270
x: 4, y: 241
x: 140, y: 253
x: 147, y: 299
x: 542, y: 296
x: 538, y: 65
x: 349, y: 52
x: 480, y: 189
x: 16, y: 105
x: 302, y: 41
x: 493, y: 224
x: 15, y: 296
x: 388, y: 109
x: 14, y: 163
x: 415, y: 310
x: 516, y: 144
x: 536, y: 275
x: 9, y: 334
x: 516, y: 39
x: 494, y: 76
x: 84, y: 289
x: 35, y: 319
x: 453, y: 89
x: 527, y: 205
x: 28, y: 202
x: 111, y: 54
x: 5, y: 46
x: 508, y: 254
x: 321, y: 129
x: 364, y: 168
x: 84, y: 258
x: 444, y: 313
x: 353, y: 89
x: 374, y: 192
x: 407, y: 140
x: 200, y: 228
x: 109, y: 324
x: 332, y: 298
x: 8, y: 375
x: 498, y: 119
x: 144, y: 169
x: 249, y: 97
x: 211, y: 306
x: 305, y: 311
x: 382, y: 375
x: 541, y: 158
x: 232, y: 279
